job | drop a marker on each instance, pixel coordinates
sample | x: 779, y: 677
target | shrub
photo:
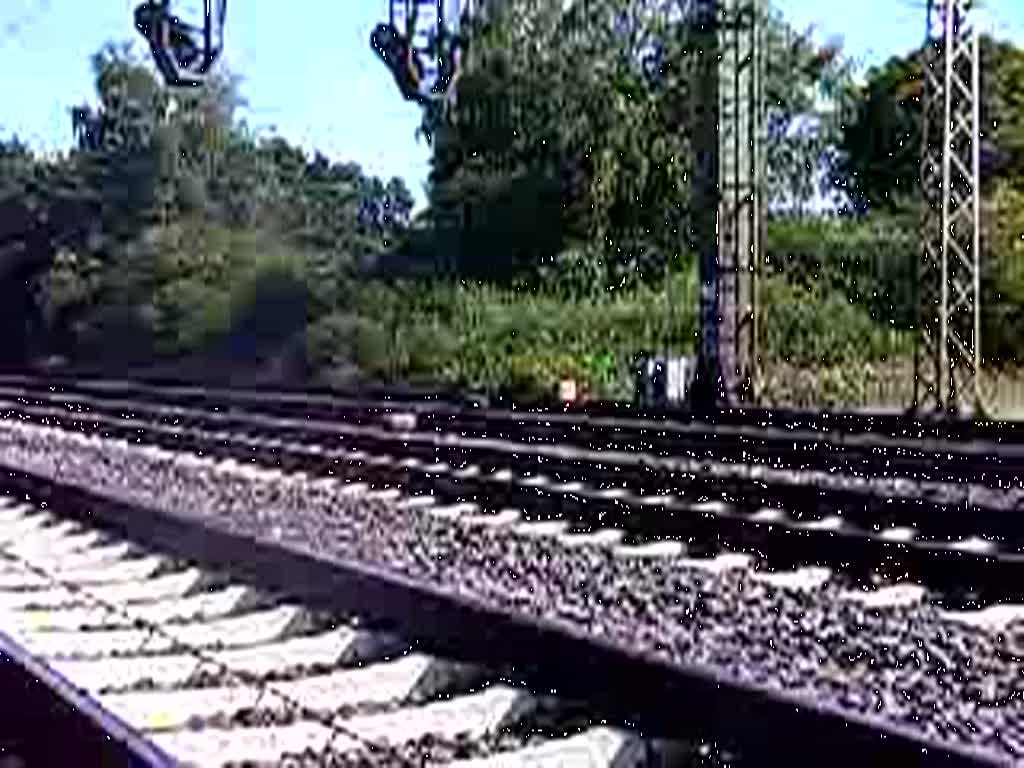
x: 331, y: 340
x: 1003, y: 276
x: 818, y: 326
x: 491, y: 338
x: 871, y: 261
x: 188, y: 315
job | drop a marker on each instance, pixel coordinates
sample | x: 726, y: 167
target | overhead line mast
x: 948, y: 375
x: 729, y: 205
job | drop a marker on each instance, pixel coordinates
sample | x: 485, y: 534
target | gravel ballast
x: 910, y: 665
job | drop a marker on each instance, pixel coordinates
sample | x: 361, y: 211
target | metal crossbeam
x: 948, y: 373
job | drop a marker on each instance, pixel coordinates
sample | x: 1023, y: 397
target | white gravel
x: 472, y: 716
x: 595, y: 747
x: 377, y: 683
x: 234, y: 632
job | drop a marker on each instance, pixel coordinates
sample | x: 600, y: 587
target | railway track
x: 189, y: 666
x: 965, y: 543
x: 888, y: 423
x: 986, y: 454
x: 718, y: 623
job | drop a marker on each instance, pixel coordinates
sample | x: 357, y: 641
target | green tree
x: 882, y: 143
x: 1003, y: 275
x: 589, y: 110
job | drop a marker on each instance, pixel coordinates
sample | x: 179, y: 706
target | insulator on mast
x: 420, y: 46
x: 183, y: 49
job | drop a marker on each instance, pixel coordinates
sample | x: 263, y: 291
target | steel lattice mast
x: 742, y: 219
x: 948, y: 374
x: 729, y: 202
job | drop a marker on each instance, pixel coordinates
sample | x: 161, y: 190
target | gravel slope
x: 908, y: 663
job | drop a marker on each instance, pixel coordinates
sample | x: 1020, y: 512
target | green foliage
x: 190, y: 314
x: 493, y: 339
x: 538, y: 375
x: 860, y: 384
x: 72, y: 282
x: 269, y: 294
x: 557, y: 240
x: 171, y: 224
x: 882, y: 141
x: 553, y: 108
x: 556, y: 105
x: 65, y: 294
x: 821, y: 327
x: 872, y: 262
x: 216, y: 283
x: 1003, y: 108
x: 521, y: 342
x: 838, y: 291
x: 331, y: 340
x: 1003, y: 277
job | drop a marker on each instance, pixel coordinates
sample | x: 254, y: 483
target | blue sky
x: 309, y: 70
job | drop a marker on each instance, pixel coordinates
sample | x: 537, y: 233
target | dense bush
x: 872, y: 261
x: 847, y: 385
x: 331, y: 340
x: 523, y: 342
x: 1003, y: 276
x: 821, y: 326
x: 545, y: 250
x: 496, y: 338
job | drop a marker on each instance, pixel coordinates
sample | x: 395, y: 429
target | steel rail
x: 856, y: 548
x: 77, y: 730
x: 890, y: 422
x: 980, y: 497
x: 991, y: 461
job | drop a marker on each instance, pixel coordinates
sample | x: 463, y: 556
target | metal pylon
x: 742, y: 220
x: 948, y: 373
x: 729, y: 202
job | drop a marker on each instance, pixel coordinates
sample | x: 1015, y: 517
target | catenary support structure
x: 729, y: 198
x: 948, y: 371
